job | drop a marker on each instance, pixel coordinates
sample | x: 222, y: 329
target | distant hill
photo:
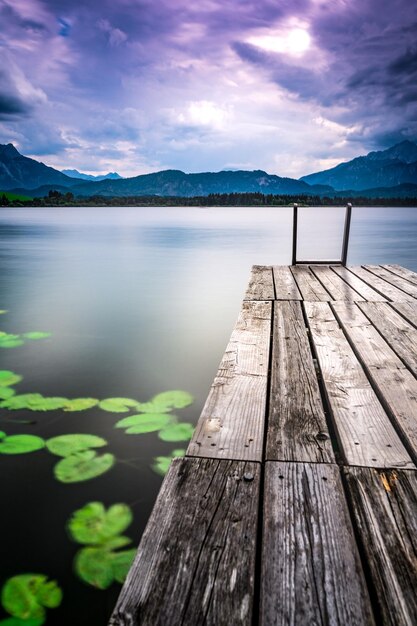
x: 177, y: 183
x: 17, y: 170
x: 386, y: 168
x: 405, y: 190
x: 79, y: 175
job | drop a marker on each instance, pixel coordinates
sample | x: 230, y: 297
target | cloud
x: 115, y: 35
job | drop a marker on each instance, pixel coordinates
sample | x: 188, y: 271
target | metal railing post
x: 294, y: 233
x: 346, y: 233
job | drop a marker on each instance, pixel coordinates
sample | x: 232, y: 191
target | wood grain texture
x: 407, y: 310
x: 297, y: 429
x: 366, y: 435
x: 393, y: 279
x: 196, y: 560
x: 311, y: 571
x: 359, y: 285
x: 311, y: 289
x: 397, y: 332
x: 403, y: 272
x: 396, y: 385
x: 231, y: 425
x: 382, y: 286
x: 385, y: 512
x: 338, y: 288
x: 261, y: 284
x: 285, y: 285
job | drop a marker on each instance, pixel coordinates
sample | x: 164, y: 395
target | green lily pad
x: 34, y: 402
x: 161, y: 463
x: 166, y: 401
x: 80, y: 404
x: 21, y: 444
x: 83, y: 466
x: 118, y: 405
x: 93, y: 566
x: 95, y: 525
x: 48, y: 404
x: 36, y: 334
x: 3, y: 311
x: 143, y: 423
x: 16, y: 621
x: 177, y: 432
x: 10, y: 342
x: 6, y: 392
x: 25, y: 596
x: 8, y: 378
x: 64, y: 445
x: 121, y: 564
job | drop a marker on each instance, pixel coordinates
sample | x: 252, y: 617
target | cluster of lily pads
x: 26, y: 597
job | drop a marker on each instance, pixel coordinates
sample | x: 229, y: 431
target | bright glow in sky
x: 143, y: 85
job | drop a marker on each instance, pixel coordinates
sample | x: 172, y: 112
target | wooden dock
x: 297, y: 501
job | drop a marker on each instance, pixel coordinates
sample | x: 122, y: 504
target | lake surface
x: 138, y: 301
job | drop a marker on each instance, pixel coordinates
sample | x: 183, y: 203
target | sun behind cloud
x: 294, y: 41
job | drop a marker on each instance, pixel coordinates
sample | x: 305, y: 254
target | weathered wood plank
x: 397, y: 332
x: 196, y: 560
x: 396, y: 385
x: 297, y: 429
x: 285, y: 285
x: 231, y: 425
x: 385, y: 511
x: 403, y: 272
x: 311, y: 571
x: 386, y: 289
x: 393, y: 279
x: 311, y: 289
x: 359, y: 285
x: 365, y: 433
x: 407, y: 310
x: 261, y: 284
x: 338, y: 288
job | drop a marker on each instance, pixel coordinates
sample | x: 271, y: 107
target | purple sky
x: 288, y: 86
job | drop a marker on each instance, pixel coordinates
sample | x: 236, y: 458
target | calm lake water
x: 138, y: 301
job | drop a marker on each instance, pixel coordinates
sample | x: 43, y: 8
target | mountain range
x: 387, y: 173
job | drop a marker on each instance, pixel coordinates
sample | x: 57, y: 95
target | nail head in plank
x: 365, y: 433
x: 397, y: 332
x: 311, y: 571
x: 403, y: 272
x: 297, y: 429
x: 393, y: 279
x: 311, y: 289
x: 285, y: 285
x: 196, y: 560
x: 359, y: 285
x: 261, y: 284
x: 385, y: 511
x: 231, y: 425
x: 338, y: 288
x: 386, y: 289
x: 395, y: 384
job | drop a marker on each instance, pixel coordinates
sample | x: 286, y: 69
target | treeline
x: 55, y: 198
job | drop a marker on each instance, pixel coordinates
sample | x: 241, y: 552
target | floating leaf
x: 64, y: 445
x: 121, y: 564
x: 161, y: 463
x: 33, y: 402
x: 93, y: 566
x: 6, y: 392
x: 3, y: 311
x: 118, y: 405
x: 16, y: 621
x: 2, y: 434
x: 94, y: 525
x: 177, y: 432
x: 36, y: 334
x: 143, y: 423
x: 83, y: 466
x: 80, y: 404
x: 164, y: 402
x: 25, y: 596
x: 11, y: 341
x: 8, y: 378
x: 21, y: 444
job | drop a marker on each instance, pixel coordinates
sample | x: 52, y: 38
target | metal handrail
x: 345, y: 243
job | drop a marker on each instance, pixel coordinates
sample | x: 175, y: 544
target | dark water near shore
x: 138, y: 301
